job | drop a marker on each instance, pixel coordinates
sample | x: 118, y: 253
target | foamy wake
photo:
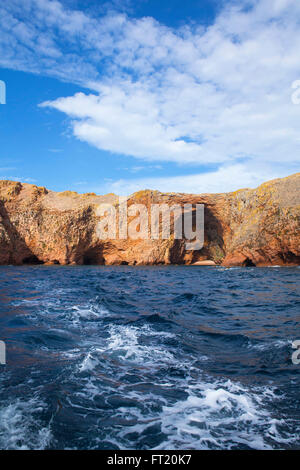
x: 216, y: 414
x: 124, y: 344
x: 213, y: 416
x: 179, y: 408
x: 21, y: 428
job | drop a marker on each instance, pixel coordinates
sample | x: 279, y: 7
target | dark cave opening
x: 248, y: 263
x: 89, y: 260
x: 92, y: 256
x: 291, y: 258
x: 32, y: 260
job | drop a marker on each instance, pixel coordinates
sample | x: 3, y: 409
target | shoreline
x: 137, y: 266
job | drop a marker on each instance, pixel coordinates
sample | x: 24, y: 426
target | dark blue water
x: 149, y: 358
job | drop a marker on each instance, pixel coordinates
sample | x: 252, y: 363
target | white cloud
x: 189, y: 95
x: 18, y: 178
x: 225, y: 179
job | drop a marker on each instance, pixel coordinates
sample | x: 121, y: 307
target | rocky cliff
x: 249, y: 227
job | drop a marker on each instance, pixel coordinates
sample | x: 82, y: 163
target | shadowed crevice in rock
x: 213, y: 248
x: 32, y: 260
x: 291, y: 258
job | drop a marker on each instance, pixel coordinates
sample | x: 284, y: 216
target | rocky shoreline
x: 249, y: 227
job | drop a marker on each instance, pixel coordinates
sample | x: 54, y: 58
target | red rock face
x: 248, y: 227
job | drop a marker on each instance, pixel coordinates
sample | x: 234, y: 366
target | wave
x: 124, y: 343
x: 21, y: 427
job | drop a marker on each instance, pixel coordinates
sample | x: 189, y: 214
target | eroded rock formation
x: 249, y: 227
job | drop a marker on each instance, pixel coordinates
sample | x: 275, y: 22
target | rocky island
x: 248, y: 227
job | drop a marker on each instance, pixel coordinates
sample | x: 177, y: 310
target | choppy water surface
x: 149, y: 358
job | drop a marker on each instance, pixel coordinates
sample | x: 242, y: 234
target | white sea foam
x: 217, y: 416
x: 125, y: 342
x: 20, y: 428
x: 89, y: 362
x: 76, y: 313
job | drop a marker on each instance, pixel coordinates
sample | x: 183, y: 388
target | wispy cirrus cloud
x: 22, y: 179
x: 226, y: 178
x: 196, y: 95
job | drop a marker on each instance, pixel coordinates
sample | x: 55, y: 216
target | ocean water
x: 149, y: 358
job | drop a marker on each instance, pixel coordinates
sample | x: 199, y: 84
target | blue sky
x: 118, y: 96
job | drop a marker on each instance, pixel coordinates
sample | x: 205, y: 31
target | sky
x: 119, y: 96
